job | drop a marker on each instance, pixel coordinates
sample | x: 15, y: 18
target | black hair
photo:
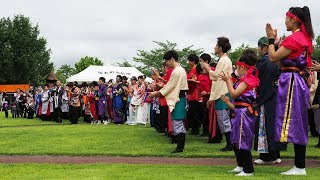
x: 141, y: 77
x: 95, y: 83
x: 91, y: 85
x: 249, y: 57
x: 198, y: 68
x: 206, y: 57
x: 224, y: 43
x: 164, y: 64
x: 193, y: 58
x: 110, y: 81
x: 304, y: 15
x: 84, y: 84
x: 70, y: 84
x: 120, y: 77
x: 171, y: 54
x: 262, y: 45
x: 102, y: 79
x: 124, y: 78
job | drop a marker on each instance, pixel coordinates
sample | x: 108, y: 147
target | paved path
x: 134, y: 160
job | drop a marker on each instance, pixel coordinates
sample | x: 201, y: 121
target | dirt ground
x: 135, y: 160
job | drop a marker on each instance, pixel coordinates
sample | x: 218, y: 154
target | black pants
x: 24, y: 111
x: 244, y: 159
x: 194, y: 116
x: 124, y: 110
x: 312, y: 124
x: 163, y: 117
x: 30, y: 114
x: 300, y: 156
x: 57, y: 115
x: 74, y: 115
x: 271, y: 156
x: 45, y: 117
x: 6, y: 112
x: 157, y: 122
x: 101, y: 118
x: 204, y: 118
x: 65, y: 115
x: 20, y: 110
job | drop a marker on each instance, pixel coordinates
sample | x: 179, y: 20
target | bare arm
x: 276, y: 56
x: 235, y: 92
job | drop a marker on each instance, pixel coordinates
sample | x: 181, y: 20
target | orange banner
x: 12, y: 88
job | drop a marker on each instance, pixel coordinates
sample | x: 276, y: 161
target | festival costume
x: 219, y: 88
x: 244, y: 121
x: 175, y: 94
x: 265, y: 129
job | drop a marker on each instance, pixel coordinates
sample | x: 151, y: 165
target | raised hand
x: 271, y: 33
x: 223, y: 76
x: 315, y: 66
x: 205, y: 66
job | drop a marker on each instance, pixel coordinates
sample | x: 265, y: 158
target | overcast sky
x: 113, y: 30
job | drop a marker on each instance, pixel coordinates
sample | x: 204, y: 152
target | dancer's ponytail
x: 307, y: 21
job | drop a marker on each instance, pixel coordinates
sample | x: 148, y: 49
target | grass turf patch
x: 108, y: 140
x: 137, y: 171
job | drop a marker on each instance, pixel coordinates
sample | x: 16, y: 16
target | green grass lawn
x: 4, y: 122
x: 134, y: 171
x: 109, y: 140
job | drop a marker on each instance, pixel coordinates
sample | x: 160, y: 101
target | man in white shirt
x: 175, y: 93
x: 219, y: 88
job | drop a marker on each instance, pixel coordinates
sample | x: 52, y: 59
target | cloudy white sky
x: 113, y: 30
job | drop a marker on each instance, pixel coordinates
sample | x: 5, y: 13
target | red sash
x: 212, y: 122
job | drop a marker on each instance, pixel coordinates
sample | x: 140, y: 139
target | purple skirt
x: 292, y: 109
x: 102, y: 107
x: 242, y: 129
x: 118, y: 116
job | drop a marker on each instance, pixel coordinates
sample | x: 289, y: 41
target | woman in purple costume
x: 293, y: 93
x: 243, y: 124
x: 102, y: 99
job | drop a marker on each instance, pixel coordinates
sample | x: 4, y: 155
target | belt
x: 292, y: 69
x: 248, y: 106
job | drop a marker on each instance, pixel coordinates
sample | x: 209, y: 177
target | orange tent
x: 12, y: 88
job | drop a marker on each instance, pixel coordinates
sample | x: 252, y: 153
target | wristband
x: 271, y: 41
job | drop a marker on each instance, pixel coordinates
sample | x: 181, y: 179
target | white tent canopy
x: 93, y: 73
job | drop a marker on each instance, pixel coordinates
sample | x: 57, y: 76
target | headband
x: 239, y: 63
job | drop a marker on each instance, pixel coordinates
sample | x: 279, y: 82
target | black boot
x: 215, y: 140
x: 228, y: 146
x: 318, y: 145
x: 180, y: 138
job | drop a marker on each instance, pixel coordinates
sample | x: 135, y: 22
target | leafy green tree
x: 316, y: 50
x: 64, y: 72
x: 24, y: 57
x: 85, y: 62
x: 125, y: 63
x: 153, y: 59
x: 235, y: 54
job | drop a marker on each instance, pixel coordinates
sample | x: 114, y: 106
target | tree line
x: 25, y: 58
